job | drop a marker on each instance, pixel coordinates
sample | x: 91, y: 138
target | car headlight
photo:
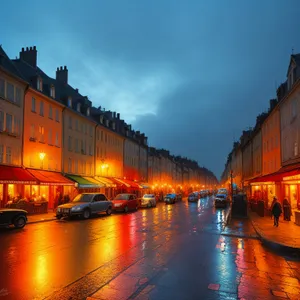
x: 76, y: 208
x: 58, y: 209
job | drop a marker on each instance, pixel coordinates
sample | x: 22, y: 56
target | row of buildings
x: 53, y: 141
x: 266, y: 160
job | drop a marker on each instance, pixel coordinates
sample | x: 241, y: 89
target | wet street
x: 179, y: 251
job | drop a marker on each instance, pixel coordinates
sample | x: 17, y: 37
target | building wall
x: 271, y: 159
x: 42, y: 132
x: 11, y: 119
x: 143, y: 164
x: 247, y: 161
x: 257, y: 154
x: 131, y: 160
x: 109, y: 153
x: 78, y: 144
x: 290, y: 127
x: 154, y: 169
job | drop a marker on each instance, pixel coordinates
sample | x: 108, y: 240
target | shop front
x: 110, y: 186
x: 12, y: 183
x: 129, y: 186
x: 53, y: 189
x: 291, y: 190
x: 86, y: 184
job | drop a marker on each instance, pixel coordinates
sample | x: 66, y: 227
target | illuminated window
x: 41, y: 133
x: 32, y: 131
x: 16, y: 126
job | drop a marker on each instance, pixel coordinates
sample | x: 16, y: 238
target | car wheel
x: 126, y: 209
x: 109, y: 211
x: 20, y: 222
x: 86, y: 214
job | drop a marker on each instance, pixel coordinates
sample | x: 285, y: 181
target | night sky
x: 190, y: 74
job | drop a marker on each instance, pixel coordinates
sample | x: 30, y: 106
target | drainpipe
x: 23, y: 123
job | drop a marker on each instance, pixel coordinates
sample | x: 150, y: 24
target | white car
x: 148, y: 200
x: 222, y: 191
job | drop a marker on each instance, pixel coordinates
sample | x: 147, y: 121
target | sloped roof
x: 8, y: 65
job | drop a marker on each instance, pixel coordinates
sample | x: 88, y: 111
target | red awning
x: 128, y: 183
x: 16, y: 175
x: 50, y: 178
x: 278, y: 176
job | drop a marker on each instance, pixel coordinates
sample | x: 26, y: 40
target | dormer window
x: 78, y: 107
x: 39, y: 84
x: 88, y: 111
x: 52, y: 91
x: 113, y: 125
x: 101, y: 119
x: 69, y: 101
x: 107, y: 123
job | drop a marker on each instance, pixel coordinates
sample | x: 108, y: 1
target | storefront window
x: 36, y: 192
x: 271, y: 194
x: 293, y: 196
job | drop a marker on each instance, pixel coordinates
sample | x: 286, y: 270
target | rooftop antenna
x: 292, y: 51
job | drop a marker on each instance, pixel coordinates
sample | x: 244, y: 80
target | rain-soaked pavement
x: 179, y: 251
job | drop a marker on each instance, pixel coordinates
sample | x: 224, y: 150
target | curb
x: 40, y: 221
x: 270, y: 242
x: 227, y: 217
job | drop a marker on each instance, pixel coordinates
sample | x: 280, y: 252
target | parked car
x: 222, y: 191
x: 148, y: 200
x: 221, y: 200
x: 13, y: 216
x: 192, y: 197
x: 170, y: 198
x: 85, y: 205
x: 125, y: 202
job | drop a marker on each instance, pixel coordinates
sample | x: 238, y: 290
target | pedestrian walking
x: 276, y: 212
x: 287, y: 210
x: 271, y: 207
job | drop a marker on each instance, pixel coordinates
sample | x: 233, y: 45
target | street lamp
x: 42, y: 156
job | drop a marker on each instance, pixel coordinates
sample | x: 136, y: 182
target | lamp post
x: 231, y: 184
x: 42, y: 156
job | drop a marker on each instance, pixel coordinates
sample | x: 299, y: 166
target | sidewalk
x: 287, y: 234
x: 50, y: 216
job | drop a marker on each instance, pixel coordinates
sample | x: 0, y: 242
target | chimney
x: 62, y: 75
x: 77, y: 90
x: 273, y: 103
x: 118, y: 116
x: 29, y: 55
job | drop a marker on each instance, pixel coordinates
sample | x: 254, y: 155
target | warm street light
x: 42, y: 156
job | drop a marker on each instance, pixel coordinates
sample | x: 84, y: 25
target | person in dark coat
x: 276, y: 212
x: 287, y: 210
x: 271, y: 207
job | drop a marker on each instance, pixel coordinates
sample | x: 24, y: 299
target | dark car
x: 85, y: 205
x: 192, y: 197
x: 13, y: 216
x: 170, y: 198
x: 221, y: 200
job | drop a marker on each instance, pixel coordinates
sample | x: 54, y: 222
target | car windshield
x: 148, y: 196
x: 122, y: 197
x: 170, y: 195
x: 221, y: 196
x: 83, y: 198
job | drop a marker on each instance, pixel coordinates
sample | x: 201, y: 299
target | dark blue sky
x: 190, y: 74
